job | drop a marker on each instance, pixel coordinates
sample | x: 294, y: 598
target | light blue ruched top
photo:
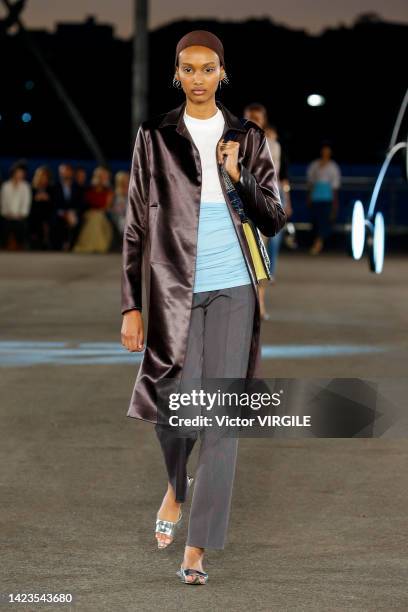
x: 220, y: 261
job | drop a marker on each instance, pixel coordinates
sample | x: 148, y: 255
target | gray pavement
x: 316, y: 524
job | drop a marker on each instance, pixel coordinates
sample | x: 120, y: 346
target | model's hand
x: 132, y: 332
x: 229, y: 150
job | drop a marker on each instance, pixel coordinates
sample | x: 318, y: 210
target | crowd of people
x: 63, y: 213
x: 72, y: 214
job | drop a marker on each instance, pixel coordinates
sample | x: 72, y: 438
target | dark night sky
x: 343, y: 66
x: 312, y: 15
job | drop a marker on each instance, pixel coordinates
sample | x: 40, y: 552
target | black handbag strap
x: 238, y: 205
x: 232, y: 192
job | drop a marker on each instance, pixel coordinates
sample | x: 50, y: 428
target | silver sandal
x: 198, y: 576
x: 169, y: 528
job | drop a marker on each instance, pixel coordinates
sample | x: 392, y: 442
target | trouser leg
x: 176, y: 450
x: 227, y: 337
x: 321, y: 219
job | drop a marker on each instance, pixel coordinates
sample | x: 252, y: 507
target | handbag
x: 253, y: 236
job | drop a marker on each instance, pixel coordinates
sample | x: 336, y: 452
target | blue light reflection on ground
x: 28, y: 353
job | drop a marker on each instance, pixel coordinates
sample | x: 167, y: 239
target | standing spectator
x: 68, y: 209
x: 281, y: 167
x: 117, y: 213
x: 15, y: 204
x: 323, y: 178
x: 96, y: 233
x: 258, y: 114
x: 42, y: 209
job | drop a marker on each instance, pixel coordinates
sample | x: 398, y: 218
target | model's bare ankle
x: 193, y: 557
x: 170, y: 508
x: 195, y: 549
x: 170, y: 493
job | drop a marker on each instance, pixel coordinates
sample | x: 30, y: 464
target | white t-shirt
x: 15, y: 199
x: 205, y: 134
x: 324, y: 178
x: 328, y: 172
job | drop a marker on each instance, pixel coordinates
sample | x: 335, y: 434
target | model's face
x: 199, y: 72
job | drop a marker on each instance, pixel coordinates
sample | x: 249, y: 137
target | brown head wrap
x: 202, y: 38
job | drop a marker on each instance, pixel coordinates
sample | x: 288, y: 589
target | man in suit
x: 69, y: 207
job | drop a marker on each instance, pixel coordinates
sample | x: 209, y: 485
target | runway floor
x: 316, y: 524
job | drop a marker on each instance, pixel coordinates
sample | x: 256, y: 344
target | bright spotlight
x: 315, y: 100
x: 377, y: 244
x: 26, y: 117
x: 357, y: 230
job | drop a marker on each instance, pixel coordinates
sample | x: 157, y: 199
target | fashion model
x: 183, y: 236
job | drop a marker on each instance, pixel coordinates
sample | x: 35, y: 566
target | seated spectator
x: 96, y: 233
x: 68, y: 210
x: 42, y: 209
x: 15, y: 205
x: 118, y: 211
x: 81, y: 180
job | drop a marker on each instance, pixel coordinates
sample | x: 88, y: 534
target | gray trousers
x: 218, y: 347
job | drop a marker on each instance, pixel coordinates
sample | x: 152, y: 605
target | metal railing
x: 393, y: 201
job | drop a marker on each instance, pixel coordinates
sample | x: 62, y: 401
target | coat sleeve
x: 258, y: 187
x: 135, y: 226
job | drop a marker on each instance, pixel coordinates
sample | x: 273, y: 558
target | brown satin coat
x: 160, y: 238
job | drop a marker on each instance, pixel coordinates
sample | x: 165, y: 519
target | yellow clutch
x: 253, y: 240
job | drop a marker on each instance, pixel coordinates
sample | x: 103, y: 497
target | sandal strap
x: 190, y: 571
x: 167, y: 527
